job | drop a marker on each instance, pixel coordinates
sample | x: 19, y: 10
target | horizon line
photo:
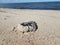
x: 31, y: 2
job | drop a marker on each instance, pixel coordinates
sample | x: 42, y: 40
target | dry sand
x: 48, y: 32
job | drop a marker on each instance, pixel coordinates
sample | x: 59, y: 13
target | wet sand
x: 48, y: 22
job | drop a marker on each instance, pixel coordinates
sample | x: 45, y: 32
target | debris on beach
x: 30, y: 26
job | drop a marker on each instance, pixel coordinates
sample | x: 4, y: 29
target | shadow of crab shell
x: 22, y: 28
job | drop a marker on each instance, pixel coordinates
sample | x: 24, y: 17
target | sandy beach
x: 48, y: 22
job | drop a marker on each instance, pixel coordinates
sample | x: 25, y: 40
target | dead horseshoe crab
x: 30, y: 26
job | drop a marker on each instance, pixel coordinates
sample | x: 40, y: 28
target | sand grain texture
x: 48, y: 22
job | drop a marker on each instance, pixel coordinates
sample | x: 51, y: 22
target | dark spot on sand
x: 3, y: 40
x: 13, y: 29
x: 2, y: 44
x: 5, y: 18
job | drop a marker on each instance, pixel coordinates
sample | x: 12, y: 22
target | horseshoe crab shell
x: 27, y: 26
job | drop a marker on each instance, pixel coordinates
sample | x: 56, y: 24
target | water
x: 32, y: 5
